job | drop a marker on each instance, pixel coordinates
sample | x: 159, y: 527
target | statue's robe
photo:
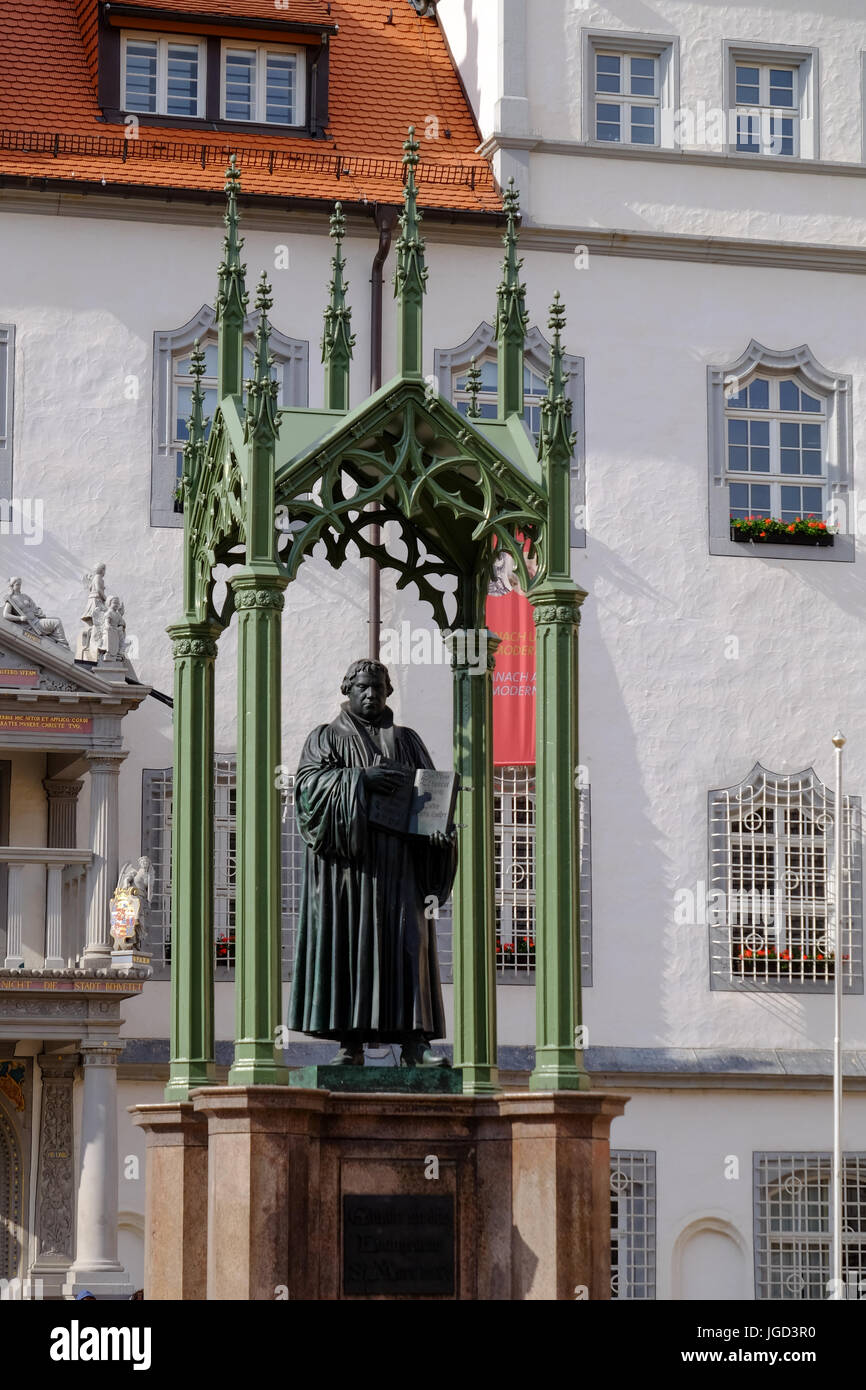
x: 366, y: 960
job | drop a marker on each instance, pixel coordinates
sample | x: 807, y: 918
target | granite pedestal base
x: 325, y: 1196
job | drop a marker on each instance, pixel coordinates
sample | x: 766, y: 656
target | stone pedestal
x: 175, y: 1216
x: 317, y: 1195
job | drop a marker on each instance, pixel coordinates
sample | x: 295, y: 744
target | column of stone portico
x: 96, y: 1266
x: 104, y: 767
x: 472, y: 659
x: 556, y: 604
x: 62, y: 812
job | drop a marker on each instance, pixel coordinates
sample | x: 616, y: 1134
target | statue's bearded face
x: 368, y: 694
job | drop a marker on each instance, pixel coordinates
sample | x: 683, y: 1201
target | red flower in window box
x: 803, y: 530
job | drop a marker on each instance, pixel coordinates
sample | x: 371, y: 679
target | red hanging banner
x: 509, y: 614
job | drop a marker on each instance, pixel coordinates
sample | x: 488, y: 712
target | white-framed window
x: 172, y: 395
x: 777, y: 463
x: 263, y: 84
x: 771, y: 912
x: 451, y: 365
x: 771, y: 98
x: 766, y: 100
x: 632, y: 1224
x: 630, y: 88
x: 163, y: 76
x: 626, y: 98
x: 793, y: 1216
x: 780, y: 447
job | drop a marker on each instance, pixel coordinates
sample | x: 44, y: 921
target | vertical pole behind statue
x: 474, y: 921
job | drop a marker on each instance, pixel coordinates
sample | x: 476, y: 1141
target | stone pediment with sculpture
x: 36, y: 652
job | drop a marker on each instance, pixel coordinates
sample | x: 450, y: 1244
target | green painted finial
x: 410, y: 279
x: 473, y: 386
x: 194, y: 448
x: 232, y: 297
x: 556, y: 439
x: 338, y: 339
x: 511, y: 316
x: 261, y: 421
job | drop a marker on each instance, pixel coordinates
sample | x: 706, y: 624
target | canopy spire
x: 261, y: 421
x: 194, y: 448
x: 338, y: 339
x: 232, y: 295
x: 511, y: 317
x: 473, y: 386
x: 411, y: 275
x: 555, y: 447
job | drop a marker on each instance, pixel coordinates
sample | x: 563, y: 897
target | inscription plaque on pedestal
x: 394, y: 1245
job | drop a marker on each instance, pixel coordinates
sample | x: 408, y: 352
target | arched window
x: 770, y: 907
x: 780, y: 442
x: 451, y: 366
x: 793, y: 1202
x: 172, y: 394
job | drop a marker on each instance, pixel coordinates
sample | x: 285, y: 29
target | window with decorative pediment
x: 451, y: 365
x: 780, y: 458
x: 770, y: 906
x: 172, y: 396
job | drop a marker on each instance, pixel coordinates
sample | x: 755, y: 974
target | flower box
x: 780, y: 538
x: 770, y: 531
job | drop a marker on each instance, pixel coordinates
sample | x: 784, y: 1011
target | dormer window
x: 237, y: 73
x: 162, y: 76
x: 263, y: 84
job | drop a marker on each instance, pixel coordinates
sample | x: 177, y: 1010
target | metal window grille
x: 514, y: 870
x: 792, y: 1206
x: 632, y: 1224
x: 771, y: 914
x: 157, y: 823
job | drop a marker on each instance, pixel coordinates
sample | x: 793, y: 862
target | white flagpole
x: 838, y: 969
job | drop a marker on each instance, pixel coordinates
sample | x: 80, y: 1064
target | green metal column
x: 556, y: 603
x: 259, y: 602
x: 258, y: 599
x: 192, y: 945
x: 474, y: 926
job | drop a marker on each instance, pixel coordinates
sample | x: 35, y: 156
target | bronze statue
x: 366, y: 968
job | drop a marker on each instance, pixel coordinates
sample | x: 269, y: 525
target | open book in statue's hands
x: 422, y: 803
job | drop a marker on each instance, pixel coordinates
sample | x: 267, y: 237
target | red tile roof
x: 384, y: 76
x: 295, y: 11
